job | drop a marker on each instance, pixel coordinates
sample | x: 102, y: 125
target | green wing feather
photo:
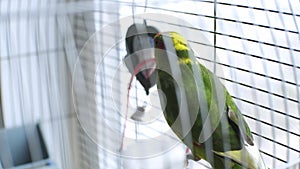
x: 231, y: 135
x: 233, y: 113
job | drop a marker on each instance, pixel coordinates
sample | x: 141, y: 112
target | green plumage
x: 207, y: 100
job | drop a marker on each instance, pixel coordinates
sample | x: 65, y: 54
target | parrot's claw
x: 189, y: 156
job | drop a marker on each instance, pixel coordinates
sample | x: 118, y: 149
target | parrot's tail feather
x: 248, y: 157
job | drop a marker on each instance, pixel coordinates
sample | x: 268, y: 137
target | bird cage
x: 67, y: 66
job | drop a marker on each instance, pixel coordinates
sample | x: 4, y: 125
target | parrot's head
x: 174, y: 43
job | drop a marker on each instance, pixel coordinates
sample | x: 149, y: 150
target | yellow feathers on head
x: 180, y: 43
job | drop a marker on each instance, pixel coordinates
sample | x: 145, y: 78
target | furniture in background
x: 24, y: 148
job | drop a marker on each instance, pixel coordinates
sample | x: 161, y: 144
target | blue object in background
x: 23, y: 148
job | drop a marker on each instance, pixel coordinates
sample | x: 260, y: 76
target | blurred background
x: 62, y: 68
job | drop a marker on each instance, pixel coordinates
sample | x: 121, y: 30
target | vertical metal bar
x: 215, y: 35
x: 119, y: 59
x: 295, y: 76
x: 1, y: 112
x: 283, y: 82
x: 145, y: 6
x: 8, y: 44
x: 57, y: 94
x: 2, y: 124
x: 103, y: 156
x: 297, y: 27
x: 264, y: 63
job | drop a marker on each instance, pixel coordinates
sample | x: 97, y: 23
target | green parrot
x: 199, y: 109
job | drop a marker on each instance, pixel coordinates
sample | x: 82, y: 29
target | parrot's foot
x: 189, y: 156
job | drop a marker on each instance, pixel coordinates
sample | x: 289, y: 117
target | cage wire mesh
x: 52, y: 72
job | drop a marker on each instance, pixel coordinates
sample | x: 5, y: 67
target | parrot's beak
x: 157, y: 35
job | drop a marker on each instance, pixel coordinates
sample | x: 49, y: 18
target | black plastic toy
x: 140, y: 47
